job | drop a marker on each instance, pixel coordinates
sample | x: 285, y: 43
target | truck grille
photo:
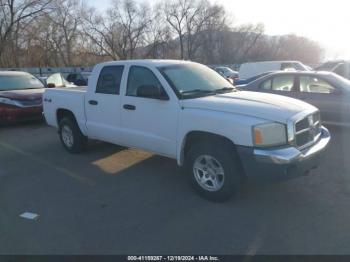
x: 307, y: 130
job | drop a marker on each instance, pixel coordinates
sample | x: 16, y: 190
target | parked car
x: 58, y: 80
x: 248, y: 70
x: 327, y: 91
x: 186, y: 111
x: 78, y: 79
x: 340, y: 67
x: 20, y: 97
x: 239, y: 82
x: 226, y: 72
x: 42, y: 79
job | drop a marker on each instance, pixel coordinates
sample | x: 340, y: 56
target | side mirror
x: 51, y: 85
x: 150, y: 91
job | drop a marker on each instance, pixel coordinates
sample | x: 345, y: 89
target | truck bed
x: 72, y: 99
x: 76, y: 88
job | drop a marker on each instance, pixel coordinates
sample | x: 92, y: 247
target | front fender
x: 236, y: 128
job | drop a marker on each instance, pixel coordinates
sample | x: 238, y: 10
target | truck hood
x: 260, y: 105
x: 23, y: 95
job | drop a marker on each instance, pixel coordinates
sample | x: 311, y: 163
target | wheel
x: 71, y: 137
x: 213, y: 170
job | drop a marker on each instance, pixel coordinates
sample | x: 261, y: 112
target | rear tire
x: 213, y: 170
x: 70, y: 135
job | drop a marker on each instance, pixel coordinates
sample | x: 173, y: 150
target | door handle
x: 93, y: 102
x: 129, y: 107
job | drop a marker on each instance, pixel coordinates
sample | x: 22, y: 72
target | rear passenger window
x: 314, y: 85
x: 109, y: 80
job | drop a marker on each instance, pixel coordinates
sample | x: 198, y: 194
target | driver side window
x: 141, y: 76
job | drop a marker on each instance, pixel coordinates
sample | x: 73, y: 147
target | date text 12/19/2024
x: 173, y: 258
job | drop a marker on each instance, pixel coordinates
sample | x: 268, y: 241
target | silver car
x: 327, y: 91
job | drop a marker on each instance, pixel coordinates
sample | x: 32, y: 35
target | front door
x: 282, y: 84
x: 149, y: 123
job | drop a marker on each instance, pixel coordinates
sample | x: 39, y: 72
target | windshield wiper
x: 225, y: 89
x: 198, y: 91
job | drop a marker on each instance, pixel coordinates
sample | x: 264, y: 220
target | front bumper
x: 19, y: 114
x: 286, y: 162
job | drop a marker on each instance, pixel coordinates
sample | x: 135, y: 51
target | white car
x: 58, y: 80
x: 226, y: 72
x: 188, y: 112
x: 248, y: 70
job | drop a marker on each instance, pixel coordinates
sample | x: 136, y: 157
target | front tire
x: 213, y: 170
x: 71, y: 137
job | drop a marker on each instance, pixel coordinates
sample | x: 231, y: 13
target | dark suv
x: 78, y: 79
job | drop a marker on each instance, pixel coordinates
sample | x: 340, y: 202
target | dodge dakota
x: 186, y: 111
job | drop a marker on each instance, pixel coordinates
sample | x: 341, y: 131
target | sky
x: 324, y: 21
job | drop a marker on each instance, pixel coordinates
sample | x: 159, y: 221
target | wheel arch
x: 62, y: 113
x: 194, y: 136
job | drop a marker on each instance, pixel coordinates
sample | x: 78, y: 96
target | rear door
x: 103, y: 105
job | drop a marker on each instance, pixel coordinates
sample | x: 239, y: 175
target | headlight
x: 8, y: 101
x: 269, y: 134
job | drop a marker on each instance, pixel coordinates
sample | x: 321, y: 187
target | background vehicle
x: 186, y: 111
x: 78, y: 79
x: 20, y: 97
x: 251, y: 79
x: 327, y: 91
x: 248, y: 70
x: 58, y: 80
x: 340, y: 67
x: 226, y: 72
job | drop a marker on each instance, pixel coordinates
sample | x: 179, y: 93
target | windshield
x: 194, y: 80
x: 18, y: 82
x: 225, y: 69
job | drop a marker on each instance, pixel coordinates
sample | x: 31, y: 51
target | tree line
x: 54, y: 33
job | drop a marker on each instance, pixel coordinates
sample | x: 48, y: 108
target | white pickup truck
x: 186, y: 111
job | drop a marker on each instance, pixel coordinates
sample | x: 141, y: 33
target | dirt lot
x: 112, y: 200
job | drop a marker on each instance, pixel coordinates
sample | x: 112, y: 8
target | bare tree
x: 197, y: 22
x: 73, y: 33
x: 158, y: 36
x: 15, y: 14
x: 292, y: 47
x: 66, y: 20
x: 176, y: 13
x: 121, y: 31
x: 212, y: 36
x: 249, y: 34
